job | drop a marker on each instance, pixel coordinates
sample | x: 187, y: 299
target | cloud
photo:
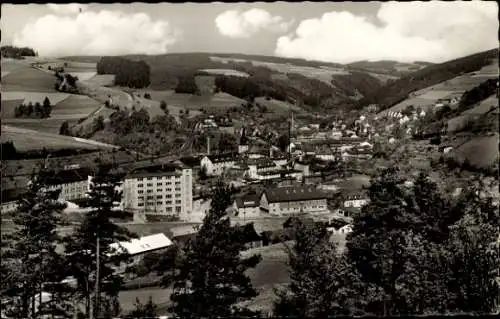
x: 427, y: 31
x: 236, y: 24
x: 97, y: 33
x: 71, y: 8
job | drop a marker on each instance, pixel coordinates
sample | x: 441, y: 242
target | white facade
x: 72, y: 191
x: 249, y: 209
x: 160, y: 193
x: 216, y: 168
x: 8, y: 207
x: 292, y: 207
x: 356, y: 203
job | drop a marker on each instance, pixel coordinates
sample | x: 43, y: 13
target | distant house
x: 10, y: 198
x: 216, y: 164
x: 282, y: 201
x: 138, y: 248
x: 343, y: 230
x: 354, y: 198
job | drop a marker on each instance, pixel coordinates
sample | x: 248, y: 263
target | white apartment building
x: 159, y: 190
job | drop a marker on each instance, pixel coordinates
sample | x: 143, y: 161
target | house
x: 259, y: 166
x: 282, y: 201
x: 73, y: 183
x: 354, y: 198
x: 215, y: 165
x: 137, y: 248
x: 247, y: 205
x: 343, y: 230
x: 257, y: 152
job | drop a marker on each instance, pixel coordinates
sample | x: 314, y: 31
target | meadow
x: 479, y: 151
x: 28, y: 79
x: 226, y: 72
x: 277, y: 106
x: 26, y: 140
x: 9, y: 107
x: 78, y: 106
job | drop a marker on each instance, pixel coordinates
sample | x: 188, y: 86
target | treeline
x: 396, y: 91
x: 187, y: 85
x: 478, y: 94
x: 9, y: 51
x: 66, y: 82
x: 38, y: 110
x: 133, y: 74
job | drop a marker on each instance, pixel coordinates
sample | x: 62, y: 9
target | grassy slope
x: 30, y: 80
x: 398, y: 90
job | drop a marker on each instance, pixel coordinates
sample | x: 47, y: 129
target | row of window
x: 157, y: 178
x: 149, y: 191
x: 158, y: 184
x: 178, y: 209
x: 158, y: 196
x: 158, y: 202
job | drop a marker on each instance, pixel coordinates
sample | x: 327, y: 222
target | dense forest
x: 129, y: 73
x: 398, y: 90
x: 9, y: 51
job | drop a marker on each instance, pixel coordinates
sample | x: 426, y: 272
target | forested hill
x: 398, y: 90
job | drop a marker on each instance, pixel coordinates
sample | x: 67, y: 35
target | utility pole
x: 96, y: 310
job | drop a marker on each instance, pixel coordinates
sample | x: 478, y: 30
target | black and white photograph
x: 249, y: 159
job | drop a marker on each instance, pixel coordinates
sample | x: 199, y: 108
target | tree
x: 30, y: 260
x: 38, y: 109
x: 211, y: 277
x: 47, y: 107
x: 64, y: 130
x: 163, y: 106
x: 283, y: 142
x: 18, y: 111
x: 318, y: 273
x: 97, y: 230
x: 147, y: 310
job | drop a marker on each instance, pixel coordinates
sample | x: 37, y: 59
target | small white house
x: 447, y: 149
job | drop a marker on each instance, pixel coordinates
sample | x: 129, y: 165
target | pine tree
x: 30, y: 258
x: 211, y: 278
x: 98, y: 229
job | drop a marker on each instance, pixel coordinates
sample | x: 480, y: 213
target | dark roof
x: 155, y: 170
x: 337, y: 223
x: 293, y: 193
x: 68, y: 176
x: 190, y: 161
x: 13, y: 194
x: 227, y: 157
x: 247, y: 200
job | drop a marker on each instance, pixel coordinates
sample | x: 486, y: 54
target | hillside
x: 393, y: 68
x: 398, y: 90
x: 320, y: 86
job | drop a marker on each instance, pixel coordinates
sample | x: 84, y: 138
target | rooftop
x: 226, y: 157
x: 293, y: 193
x: 68, y: 176
x: 155, y: 170
x: 144, y: 244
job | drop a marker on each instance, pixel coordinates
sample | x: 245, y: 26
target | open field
x: 484, y: 106
x: 480, y: 151
x: 82, y: 76
x: 25, y: 140
x: 77, y: 106
x: 178, y: 101
x: 30, y: 80
x: 277, y: 106
x: 101, y: 80
x: 226, y: 72
x: 49, y: 125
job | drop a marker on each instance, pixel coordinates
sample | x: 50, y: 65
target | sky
x: 341, y: 32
